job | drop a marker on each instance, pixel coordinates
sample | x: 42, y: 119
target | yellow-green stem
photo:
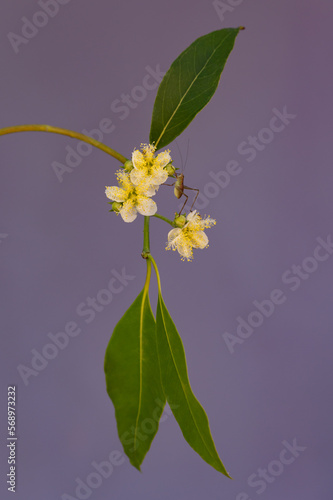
x: 62, y: 131
x: 146, y: 242
x: 165, y: 219
x: 146, y: 287
x: 150, y: 257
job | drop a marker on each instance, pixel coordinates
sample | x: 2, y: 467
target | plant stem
x: 165, y: 219
x: 150, y: 257
x: 146, y: 287
x: 146, y: 242
x: 62, y: 131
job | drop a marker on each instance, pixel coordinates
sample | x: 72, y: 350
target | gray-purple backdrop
x: 254, y: 309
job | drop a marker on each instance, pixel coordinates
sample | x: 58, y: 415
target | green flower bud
x: 179, y: 220
x: 170, y: 169
x: 116, y: 206
x: 128, y: 165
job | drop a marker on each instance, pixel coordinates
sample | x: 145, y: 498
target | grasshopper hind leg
x: 184, y: 203
x: 195, y: 198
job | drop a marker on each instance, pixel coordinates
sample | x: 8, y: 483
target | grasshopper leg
x: 196, y: 196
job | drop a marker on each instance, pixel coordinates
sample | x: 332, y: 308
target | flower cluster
x: 190, y: 236
x: 138, y: 182
x: 131, y: 198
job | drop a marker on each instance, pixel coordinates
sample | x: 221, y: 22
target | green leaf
x: 189, y: 84
x: 187, y: 410
x: 133, y: 378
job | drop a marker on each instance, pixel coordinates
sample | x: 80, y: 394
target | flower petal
x: 159, y: 176
x: 163, y: 158
x: 128, y: 212
x: 115, y: 193
x: 172, y: 235
x: 146, y: 206
x: 138, y: 159
x: 137, y: 176
x: 200, y: 239
x: 149, y: 190
x: 192, y: 215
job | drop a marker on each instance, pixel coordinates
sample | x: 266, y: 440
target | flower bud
x: 179, y: 220
x: 128, y: 165
x: 170, y: 169
x: 116, y: 206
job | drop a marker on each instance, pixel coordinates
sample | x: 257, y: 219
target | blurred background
x: 266, y: 387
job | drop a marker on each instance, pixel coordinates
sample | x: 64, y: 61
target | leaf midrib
x: 140, y: 365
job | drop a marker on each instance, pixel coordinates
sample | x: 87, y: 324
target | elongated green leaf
x: 189, y: 84
x: 187, y: 410
x: 133, y: 379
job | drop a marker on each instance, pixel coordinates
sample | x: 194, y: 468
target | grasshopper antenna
x: 181, y: 156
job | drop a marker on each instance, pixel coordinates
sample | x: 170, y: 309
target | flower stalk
x: 165, y: 219
x: 146, y: 240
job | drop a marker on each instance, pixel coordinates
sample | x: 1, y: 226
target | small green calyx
x: 179, y: 220
x: 116, y: 206
x: 128, y: 166
x: 170, y: 169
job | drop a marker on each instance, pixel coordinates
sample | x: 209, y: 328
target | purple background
x: 62, y: 244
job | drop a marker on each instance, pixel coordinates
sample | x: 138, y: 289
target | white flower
x: 190, y: 236
x: 149, y: 167
x: 134, y: 198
